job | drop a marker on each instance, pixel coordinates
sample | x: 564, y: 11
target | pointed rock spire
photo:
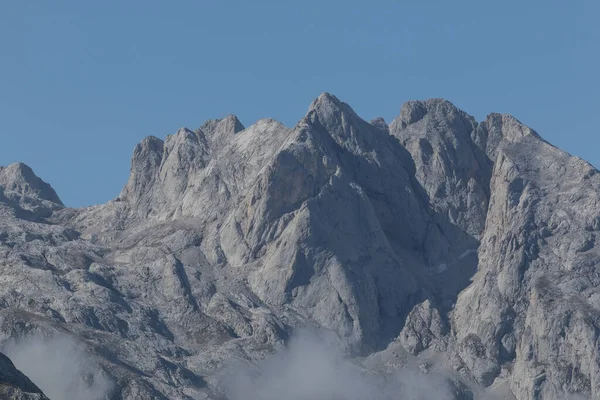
x: 145, y: 166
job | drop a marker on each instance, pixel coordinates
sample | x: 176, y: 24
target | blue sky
x: 81, y: 82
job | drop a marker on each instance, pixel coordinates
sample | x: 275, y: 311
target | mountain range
x: 436, y: 243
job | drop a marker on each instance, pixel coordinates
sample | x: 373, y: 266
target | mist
x: 312, y: 368
x: 59, y: 367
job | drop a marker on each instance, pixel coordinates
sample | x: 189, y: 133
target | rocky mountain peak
x: 328, y: 110
x: 380, y: 123
x: 411, y: 112
x: 500, y: 128
x: 229, y: 125
x: 148, y: 144
x: 219, y: 131
x: 325, y: 100
x: 439, y: 109
x: 20, y: 182
x: 185, y: 132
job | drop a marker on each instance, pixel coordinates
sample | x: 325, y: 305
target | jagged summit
x: 24, y: 194
x: 468, y: 248
x: 219, y: 131
x: 230, y: 124
x: 379, y: 121
x: 413, y: 111
x: 325, y: 98
x: 184, y: 131
x: 329, y: 105
x: 19, y: 180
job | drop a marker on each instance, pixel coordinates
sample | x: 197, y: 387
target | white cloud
x: 311, y: 368
x: 59, y: 368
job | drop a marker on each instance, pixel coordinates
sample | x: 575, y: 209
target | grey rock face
x: 452, y: 169
x: 534, y: 295
x: 435, y: 241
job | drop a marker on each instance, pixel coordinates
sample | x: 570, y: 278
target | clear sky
x: 81, y: 82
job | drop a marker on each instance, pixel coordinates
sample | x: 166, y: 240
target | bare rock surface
x: 435, y: 242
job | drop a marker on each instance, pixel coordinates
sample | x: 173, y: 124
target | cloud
x: 312, y: 368
x: 59, y: 368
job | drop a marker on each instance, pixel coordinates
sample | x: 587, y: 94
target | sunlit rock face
x: 456, y: 251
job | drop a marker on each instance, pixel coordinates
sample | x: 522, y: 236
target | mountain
x: 462, y: 247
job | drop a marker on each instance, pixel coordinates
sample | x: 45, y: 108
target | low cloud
x: 59, y: 368
x: 311, y: 368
